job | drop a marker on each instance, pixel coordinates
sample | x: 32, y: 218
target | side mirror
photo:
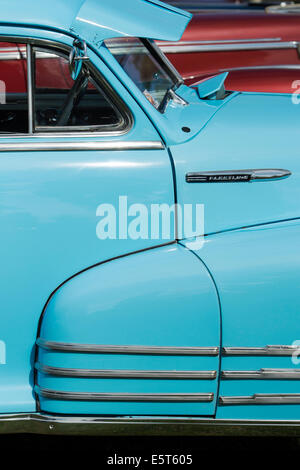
x: 78, y: 55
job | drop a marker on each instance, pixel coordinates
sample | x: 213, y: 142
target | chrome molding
x: 83, y: 145
x: 277, y: 350
x: 18, y: 53
x: 199, y: 46
x: 124, y: 349
x: 10, y: 54
x: 30, y: 84
x: 125, y: 397
x: 284, y: 8
x: 220, y: 41
x: 259, y: 67
x: 219, y: 46
x: 127, y: 374
x: 264, y: 374
x: 237, y: 176
x: 41, y: 423
x: 177, y: 47
x: 263, y: 399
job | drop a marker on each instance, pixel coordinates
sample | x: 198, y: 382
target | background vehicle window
x: 13, y: 89
x: 61, y: 102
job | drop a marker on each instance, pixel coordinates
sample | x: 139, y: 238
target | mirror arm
x: 78, y: 55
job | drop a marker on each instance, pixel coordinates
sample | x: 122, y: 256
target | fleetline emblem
x: 192, y: 178
x: 237, y: 176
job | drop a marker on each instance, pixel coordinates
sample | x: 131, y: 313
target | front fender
x: 163, y: 303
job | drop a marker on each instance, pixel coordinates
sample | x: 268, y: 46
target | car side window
x: 62, y: 104
x: 13, y: 89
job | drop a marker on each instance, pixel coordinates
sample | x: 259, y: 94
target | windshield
x: 145, y: 66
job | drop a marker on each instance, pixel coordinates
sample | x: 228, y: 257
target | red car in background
x: 259, y: 49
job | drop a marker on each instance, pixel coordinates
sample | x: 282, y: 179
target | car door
x: 244, y: 167
x: 70, y: 152
x: 52, y: 182
x: 257, y: 274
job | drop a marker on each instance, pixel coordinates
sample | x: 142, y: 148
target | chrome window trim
x: 126, y: 374
x: 102, y: 85
x: 89, y: 131
x: 125, y: 397
x: 262, y: 399
x: 262, y: 374
x: 63, y: 135
x: 269, y: 350
x: 30, y: 84
x: 128, y: 349
x: 42, y: 423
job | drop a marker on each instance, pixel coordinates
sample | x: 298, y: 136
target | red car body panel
x: 262, y: 80
x: 222, y: 40
x: 12, y: 68
x: 259, y: 50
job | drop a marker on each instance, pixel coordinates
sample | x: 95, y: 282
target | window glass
x: 148, y: 72
x: 13, y: 89
x: 61, y: 102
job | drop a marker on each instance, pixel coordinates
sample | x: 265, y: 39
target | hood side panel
x: 252, y: 131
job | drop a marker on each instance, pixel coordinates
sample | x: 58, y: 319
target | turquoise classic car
x: 150, y: 234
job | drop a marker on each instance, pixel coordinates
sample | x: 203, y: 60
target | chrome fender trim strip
x: 278, y: 350
x: 41, y: 423
x: 263, y: 374
x: 125, y: 349
x: 262, y: 399
x: 83, y: 145
x: 127, y: 374
x: 124, y: 397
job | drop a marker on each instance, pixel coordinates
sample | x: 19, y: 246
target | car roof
x: 95, y: 20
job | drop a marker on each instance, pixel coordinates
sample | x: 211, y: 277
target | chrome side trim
x: 83, y: 145
x: 41, y: 423
x: 260, y: 67
x: 10, y: 54
x: 124, y: 397
x: 199, y: 46
x: 264, y: 374
x: 283, y: 8
x: 220, y: 41
x: 14, y: 53
x: 127, y: 374
x: 124, y: 349
x: 183, y: 48
x: 278, y: 350
x: 236, y: 176
x: 263, y: 399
